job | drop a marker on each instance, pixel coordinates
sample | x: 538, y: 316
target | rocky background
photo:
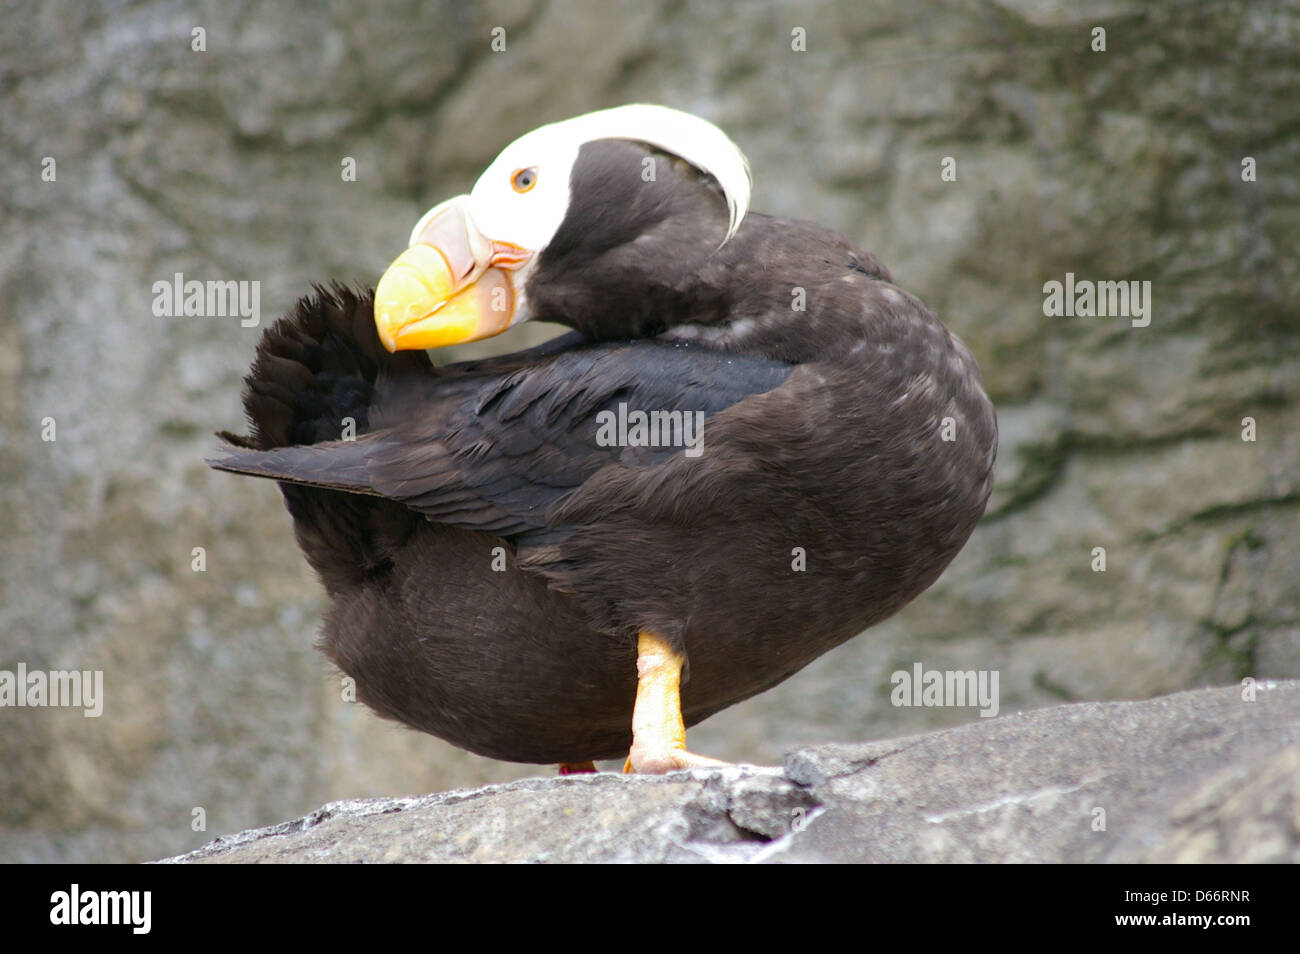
x: 226, y: 164
x: 1196, y: 777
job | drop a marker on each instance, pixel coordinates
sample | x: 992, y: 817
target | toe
x: 648, y: 761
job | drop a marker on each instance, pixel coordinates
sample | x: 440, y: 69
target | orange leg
x: 576, y: 768
x: 658, y: 734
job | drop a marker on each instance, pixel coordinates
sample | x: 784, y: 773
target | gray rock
x: 1194, y: 777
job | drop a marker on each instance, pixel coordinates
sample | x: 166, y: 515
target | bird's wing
x: 492, y: 446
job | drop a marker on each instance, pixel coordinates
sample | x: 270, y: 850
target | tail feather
x: 333, y: 465
x: 314, y: 378
x: 317, y: 366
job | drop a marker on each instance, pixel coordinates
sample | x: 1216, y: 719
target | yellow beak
x: 451, y: 286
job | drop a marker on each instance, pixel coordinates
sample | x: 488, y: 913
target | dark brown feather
x: 824, y: 436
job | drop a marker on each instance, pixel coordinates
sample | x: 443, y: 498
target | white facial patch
x: 530, y: 219
x: 527, y: 219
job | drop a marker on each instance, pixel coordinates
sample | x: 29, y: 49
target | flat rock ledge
x: 1201, y: 776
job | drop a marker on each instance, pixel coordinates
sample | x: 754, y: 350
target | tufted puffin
x: 750, y: 447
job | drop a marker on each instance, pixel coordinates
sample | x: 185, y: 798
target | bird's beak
x: 451, y: 286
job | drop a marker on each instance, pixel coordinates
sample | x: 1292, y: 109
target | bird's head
x: 570, y: 217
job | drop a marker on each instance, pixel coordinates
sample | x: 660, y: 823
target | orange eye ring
x: 522, y: 180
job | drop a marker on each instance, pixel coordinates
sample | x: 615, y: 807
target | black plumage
x: 824, y: 436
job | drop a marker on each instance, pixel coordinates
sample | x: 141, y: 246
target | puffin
x: 750, y: 447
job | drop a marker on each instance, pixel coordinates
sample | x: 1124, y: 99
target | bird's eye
x: 524, y: 179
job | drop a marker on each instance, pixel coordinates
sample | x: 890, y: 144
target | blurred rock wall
x: 226, y: 163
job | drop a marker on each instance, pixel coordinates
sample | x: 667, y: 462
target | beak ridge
x: 445, y: 288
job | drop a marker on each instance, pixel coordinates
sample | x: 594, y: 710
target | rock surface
x: 1203, y: 776
x: 225, y: 164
